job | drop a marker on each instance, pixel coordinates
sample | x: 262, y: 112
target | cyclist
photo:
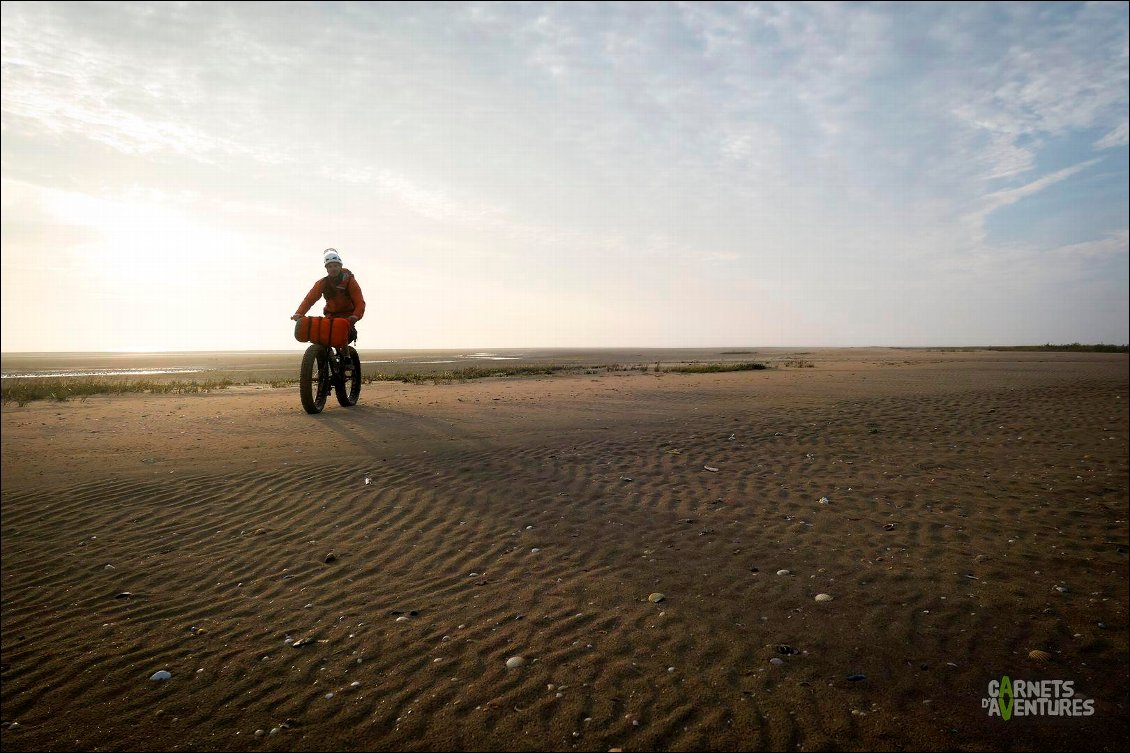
x: 341, y: 291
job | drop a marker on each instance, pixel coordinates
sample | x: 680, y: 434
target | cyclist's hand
x: 296, y: 317
x: 352, y: 320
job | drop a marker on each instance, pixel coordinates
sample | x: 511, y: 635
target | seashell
x: 1039, y: 655
x: 655, y: 598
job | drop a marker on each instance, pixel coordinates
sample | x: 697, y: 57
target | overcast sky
x: 523, y: 175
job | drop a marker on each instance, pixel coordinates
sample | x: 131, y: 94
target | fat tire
x: 312, y: 378
x: 349, y: 389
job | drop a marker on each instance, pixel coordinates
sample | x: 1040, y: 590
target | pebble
x: 162, y: 675
x: 655, y: 598
x: 514, y: 662
x: 777, y: 661
x: 825, y: 501
x: 856, y: 678
x: 823, y: 597
x: 784, y: 572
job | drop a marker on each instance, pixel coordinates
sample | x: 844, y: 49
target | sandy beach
x: 651, y: 545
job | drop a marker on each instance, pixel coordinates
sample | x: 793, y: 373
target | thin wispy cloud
x: 750, y: 153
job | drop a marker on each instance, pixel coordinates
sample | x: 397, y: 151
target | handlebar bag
x: 332, y: 331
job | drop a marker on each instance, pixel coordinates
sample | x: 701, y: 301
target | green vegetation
x: 461, y: 375
x: 23, y: 391
x: 711, y: 368
x: 1072, y: 348
x: 1047, y: 348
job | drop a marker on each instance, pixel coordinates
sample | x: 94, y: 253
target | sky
x: 505, y: 175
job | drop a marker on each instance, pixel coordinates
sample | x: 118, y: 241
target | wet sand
x: 975, y: 511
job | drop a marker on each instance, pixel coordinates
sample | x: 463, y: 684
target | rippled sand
x: 533, y: 517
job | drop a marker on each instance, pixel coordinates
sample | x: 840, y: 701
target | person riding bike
x: 341, y: 291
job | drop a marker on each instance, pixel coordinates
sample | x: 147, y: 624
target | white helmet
x: 331, y: 257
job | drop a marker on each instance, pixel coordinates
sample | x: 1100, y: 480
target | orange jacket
x: 343, y: 296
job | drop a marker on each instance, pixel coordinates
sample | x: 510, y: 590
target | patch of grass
x: 24, y: 391
x: 461, y: 375
x: 1072, y: 348
x: 625, y: 367
x: 798, y: 363
x: 1048, y: 348
x: 711, y: 368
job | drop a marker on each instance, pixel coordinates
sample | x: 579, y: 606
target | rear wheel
x: 348, y: 386
x: 314, y: 379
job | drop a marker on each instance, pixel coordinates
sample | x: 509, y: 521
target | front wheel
x: 314, y: 379
x: 348, y: 384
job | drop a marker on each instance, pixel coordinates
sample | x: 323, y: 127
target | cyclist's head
x: 331, y: 257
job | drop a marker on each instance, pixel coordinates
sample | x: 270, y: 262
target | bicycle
x: 326, y: 367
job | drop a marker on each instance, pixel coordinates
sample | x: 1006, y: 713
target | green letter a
x: 1006, y: 706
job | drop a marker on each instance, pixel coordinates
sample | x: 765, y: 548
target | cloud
x: 1115, y: 138
x: 810, y: 148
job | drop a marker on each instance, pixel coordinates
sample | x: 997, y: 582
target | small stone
x: 710, y: 468
x: 331, y: 557
x: 776, y: 661
x: 825, y: 501
x: 856, y: 678
x: 823, y: 597
x: 161, y: 675
x: 784, y: 572
x: 514, y: 662
x: 655, y: 598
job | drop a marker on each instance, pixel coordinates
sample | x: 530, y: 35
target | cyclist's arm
x: 357, y: 298
x: 310, y: 299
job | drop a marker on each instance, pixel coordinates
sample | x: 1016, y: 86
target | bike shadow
x: 379, y: 429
